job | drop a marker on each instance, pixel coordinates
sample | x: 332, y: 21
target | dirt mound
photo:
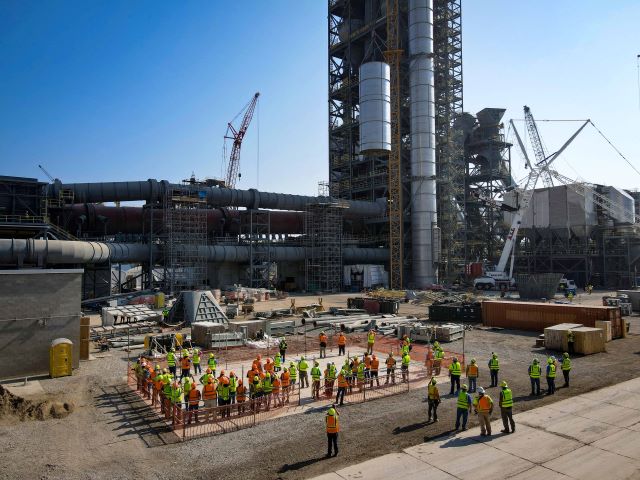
x: 14, y: 406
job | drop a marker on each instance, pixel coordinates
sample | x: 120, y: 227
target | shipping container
x: 588, y: 340
x: 605, y: 326
x: 535, y: 317
x: 555, y: 337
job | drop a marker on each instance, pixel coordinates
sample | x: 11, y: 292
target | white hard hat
x: 480, y: 390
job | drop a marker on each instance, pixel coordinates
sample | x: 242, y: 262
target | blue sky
x: 121, y: 90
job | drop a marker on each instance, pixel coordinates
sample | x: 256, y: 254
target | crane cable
x: 614, y: 147
x: 258, y: 143
x: 597, y: 129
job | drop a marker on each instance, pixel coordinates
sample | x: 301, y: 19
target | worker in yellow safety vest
x: 566, y: 368
x: 494, y: 368
x: 406, y: 360
x: 433, y: 399
x: 551, y: 375
x: 371, y: 339
x: 455, y: 371
x: 316, y: 374
x: 535, y: 371
x: 196, y: 361
x: 171, y: 361
x: 506, y: 408
x: 463, y: 407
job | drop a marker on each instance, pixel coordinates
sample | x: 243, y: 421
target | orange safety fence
x: 188, y: 422
x: 205, y: 421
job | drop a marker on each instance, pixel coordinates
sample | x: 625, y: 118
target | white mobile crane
x: 499, y: 278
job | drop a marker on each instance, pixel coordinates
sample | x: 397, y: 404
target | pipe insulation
x: 153, y: 191
x: 41, y: 252
x: 105, y: 220
x: 423, y: 141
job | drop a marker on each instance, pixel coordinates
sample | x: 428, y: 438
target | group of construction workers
x: 482, y: 403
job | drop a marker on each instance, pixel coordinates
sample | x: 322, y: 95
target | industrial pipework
x: 153, y: 191
x: 423, y: 141
x: 96, y: 219
x: 41, y: 252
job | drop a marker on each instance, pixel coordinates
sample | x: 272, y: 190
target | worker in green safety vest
x: 212, y: 364
x: 316, y: 374
x: 196, y: 361
x: 494, y: 368
x: 566, y: 368
x: 506, y: 408
x: 463, y: 407
x: 267, y: 388
x: 303, y: 367
x: 551, y: 375
x: 293, y: 373
x: 535, y: 371
x: 171, y: 361
x: 455, y: 371
x: 277, y: 362
x: 406, y: 360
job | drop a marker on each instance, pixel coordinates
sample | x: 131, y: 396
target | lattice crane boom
x: 237, y: 135
x: 536, y: 144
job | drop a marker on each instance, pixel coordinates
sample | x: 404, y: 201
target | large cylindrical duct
x: 95, y: 220
x: 375, y: 108
x: 153, y: 191
x: 423, y: 154
x: 43, y: 252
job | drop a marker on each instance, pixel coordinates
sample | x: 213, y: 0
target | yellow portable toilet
x: 159, y: 300
x: 61, y: 358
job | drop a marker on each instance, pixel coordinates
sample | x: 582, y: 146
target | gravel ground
x: 111, y: 434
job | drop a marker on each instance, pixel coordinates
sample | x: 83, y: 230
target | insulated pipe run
x: 105, y: 220
x: 42, y: 252
x: 423, y: 142
x: 153, y: 191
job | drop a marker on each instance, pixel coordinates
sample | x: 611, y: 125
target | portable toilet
x: 61, y: 358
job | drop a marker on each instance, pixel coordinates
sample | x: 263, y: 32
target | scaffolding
x: 185, y: 234
x: 257, y: 232
x: 323, y: 242
x: 450, y: 167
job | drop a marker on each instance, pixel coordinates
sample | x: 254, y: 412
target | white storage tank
x: 375, y: 108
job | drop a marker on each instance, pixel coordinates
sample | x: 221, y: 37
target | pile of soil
x: 14, y: 406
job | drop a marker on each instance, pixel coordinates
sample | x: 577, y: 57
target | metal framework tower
x: 488, y: 174
x: 258, y: 233
x: 323, y: 241
x: 447, y: 38
x: 185, y: 233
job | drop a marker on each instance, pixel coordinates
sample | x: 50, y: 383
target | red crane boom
x: 233, y: 164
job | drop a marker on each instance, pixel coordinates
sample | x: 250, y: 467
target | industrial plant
x: 421, y: 258
x: 414, y: 184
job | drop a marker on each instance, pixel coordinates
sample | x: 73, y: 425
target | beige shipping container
x: 555, y: 337
x: 588, y: 340
x: 605, y: 326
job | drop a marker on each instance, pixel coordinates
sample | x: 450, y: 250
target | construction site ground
x: 111, y: 433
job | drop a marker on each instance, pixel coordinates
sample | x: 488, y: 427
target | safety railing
x: 191, y: 421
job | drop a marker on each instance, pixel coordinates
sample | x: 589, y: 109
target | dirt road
x: 111, y: 434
